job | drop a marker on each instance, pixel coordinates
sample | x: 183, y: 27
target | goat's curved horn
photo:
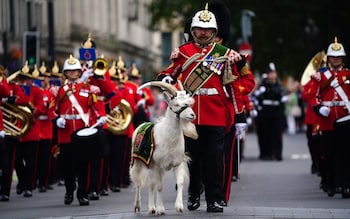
x: 181, y: 87
x: 168, y: 87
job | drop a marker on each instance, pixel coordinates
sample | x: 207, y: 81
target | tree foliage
x: 285, y: 32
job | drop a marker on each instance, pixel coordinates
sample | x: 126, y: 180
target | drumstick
x: 94, y: 125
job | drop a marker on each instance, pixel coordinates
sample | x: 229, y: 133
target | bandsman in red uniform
x: 145, y: 98
x: 27, y: 149
x: 77, y: 108
x: 120, y: 143
x: 46, y: 132
x: 4, y: 93
x: 17, y: 98
x: 331, y: 91
x: 204, y: 68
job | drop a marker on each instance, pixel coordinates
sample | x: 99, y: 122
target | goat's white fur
x: 169, y: 154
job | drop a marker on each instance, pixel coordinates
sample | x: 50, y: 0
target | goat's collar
x: 179, y: 111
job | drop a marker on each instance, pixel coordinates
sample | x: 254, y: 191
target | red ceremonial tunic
x: 323, y: 93
x: 37, y: 104
x: 85, y: 95
x: 209, y: 109
x: 4, y: 92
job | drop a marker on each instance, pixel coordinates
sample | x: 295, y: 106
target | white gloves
x: 260, y: 91
x: 324, y: 111
x: 86, y: 74
x: 2, y: 134
x: 240, y: 129
x: 167, y: 79
x: 284, y: 99
x: 61, y: 123
x: 334, y: 83
x: 253, y: 113
x: 141, y: 102
x: 101, y: 121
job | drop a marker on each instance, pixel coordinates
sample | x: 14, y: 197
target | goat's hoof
x: 137, y: 209
x: 152, y: 211
x: 180, y: 210
x: 159, y: 213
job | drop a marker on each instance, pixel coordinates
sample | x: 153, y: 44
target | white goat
x: 169, y: 150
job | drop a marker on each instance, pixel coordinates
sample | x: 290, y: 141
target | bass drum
x: 89, y: 143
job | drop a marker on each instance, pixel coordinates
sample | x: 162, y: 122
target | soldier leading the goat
x: 159, y: 147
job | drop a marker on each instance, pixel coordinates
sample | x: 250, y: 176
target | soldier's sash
x: 204, y: 69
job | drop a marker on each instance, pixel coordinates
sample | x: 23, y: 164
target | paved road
x: 266, y: 189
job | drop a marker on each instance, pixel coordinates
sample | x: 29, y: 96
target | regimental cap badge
x: 88, y: 43
x: 35, y: 72
x: 25, y: 68
x: 112, y: 69
x: 121, y: 64
x: 42, y: 68
x: 72, y: 60
x: 205, y: 15
x: 336, y: 46
x: 134, y: 71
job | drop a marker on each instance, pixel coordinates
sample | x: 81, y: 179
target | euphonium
x: 120, y: 118
x: 17, y: 119
x: 100, y: 66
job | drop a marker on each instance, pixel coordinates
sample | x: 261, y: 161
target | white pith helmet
x: 336, y: 49
x: 204, y: 19
x: 71, y: 64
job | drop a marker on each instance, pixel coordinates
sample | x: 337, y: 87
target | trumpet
x: 120, y: 118
x: 100, y: 66
x: 17, y: 119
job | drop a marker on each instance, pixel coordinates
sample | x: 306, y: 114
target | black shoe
x: 345, y: 193
x: 115, y: 189
x: 104, y: 192
x: 27, y: 193
x: 223, y: 203
x: 83, y: 201
x: 42, y: 189
x: 94, y: 196
x: 68, y: 199
x: 234, y: 178
x: 49, y: 187
x: 214, y: 207
x: 19, y: 190
x: 4, y: 198
x: 331, y: 192
x: 193, y: 203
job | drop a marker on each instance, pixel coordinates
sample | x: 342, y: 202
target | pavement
x: 265, y: 190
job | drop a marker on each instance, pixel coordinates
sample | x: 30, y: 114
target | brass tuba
x: 319, y: 60
x: 120, y: 118
x: 17, y: 119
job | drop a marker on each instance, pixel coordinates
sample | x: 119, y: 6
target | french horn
x: 120, y: 118
x: 17, y: 119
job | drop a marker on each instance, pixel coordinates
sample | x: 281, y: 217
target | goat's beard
x: 189, y: 130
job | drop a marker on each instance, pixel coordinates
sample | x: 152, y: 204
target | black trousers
x: 75, y: 168
x: 7, y: 160
x: 26, y: 163
x: 44, y: 162
x: 207, y: 158
x: 118, y: 151
x: 269, y: 131
x: 342, y: 154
